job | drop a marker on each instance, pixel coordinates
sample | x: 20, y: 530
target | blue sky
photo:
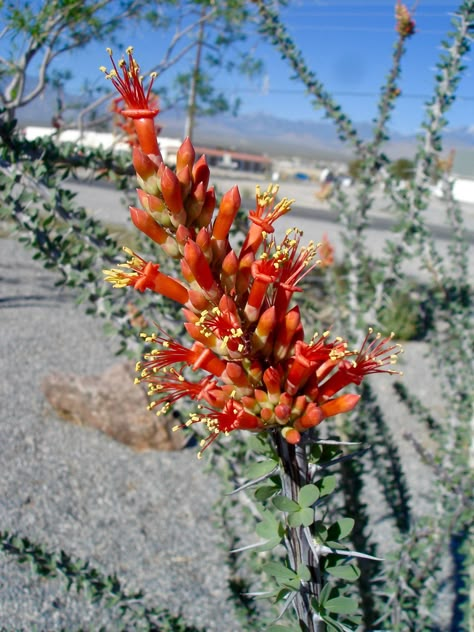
x: 348, y: 43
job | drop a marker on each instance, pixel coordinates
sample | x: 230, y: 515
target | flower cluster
x: 405, y: 24
x: 247, y: 365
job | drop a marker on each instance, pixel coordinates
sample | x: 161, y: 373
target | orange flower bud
x: 313, y: 415
x: 199, y: 266
x: 171, y: 191
x: 266, y: 414
x: 183, y: 234
x: 236, y: 374
x: 147, y: 225
x: 195, y: 202
x: 185, y: 179
x: 143, y: 165
x: 291, y: 435
x: 201, y: 172
x: 152, y: 203
x: 185, y: 155
x: 272, y: 380
x: 204, y: 242
x: 229, y: 267
x: 282, y: 412
x: 228, y: 209
x: 285, y: 333
x: 341, y: 404
x: 264, y: 328
x: 207, y: 211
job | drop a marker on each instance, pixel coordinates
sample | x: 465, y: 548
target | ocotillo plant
x: 246, y: 362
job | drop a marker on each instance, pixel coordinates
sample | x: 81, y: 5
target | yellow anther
x: 129, y: 50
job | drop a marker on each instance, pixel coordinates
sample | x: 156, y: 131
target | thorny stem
x: 294, y: 475
x: 355, y: 222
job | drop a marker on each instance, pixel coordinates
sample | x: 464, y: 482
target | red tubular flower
x: 295, y: 265
x: 264, y: 273
x: 171, y: 386
x: 128, y: 83
x: 145, y: 275
x: 373, y: 357
x: 263, y: 217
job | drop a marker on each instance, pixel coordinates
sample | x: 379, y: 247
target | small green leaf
x: 341, y: 529
x: 265, y: 491
x: 256, y: 443
x: 307, y: 516
x: 280, y: 571
x: 283, y: 503
x: 349, y: 572
x: 341, y: 605
x: 325, y: 592
x: 269, y: 527
x: 320, y: 531
x: 316, y: 451
x: 326, y: 485
x: 304, y: 573
x: 308, y: 495
x: 256, y: 470
x: 295, y: 519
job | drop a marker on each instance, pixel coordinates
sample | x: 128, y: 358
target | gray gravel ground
x: 146, y: 516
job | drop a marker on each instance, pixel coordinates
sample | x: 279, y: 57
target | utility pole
x: 191, y: 109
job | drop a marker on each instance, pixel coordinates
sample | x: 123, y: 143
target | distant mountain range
x: 263, y: 133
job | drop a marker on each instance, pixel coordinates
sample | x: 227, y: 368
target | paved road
x: 315, y: 218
